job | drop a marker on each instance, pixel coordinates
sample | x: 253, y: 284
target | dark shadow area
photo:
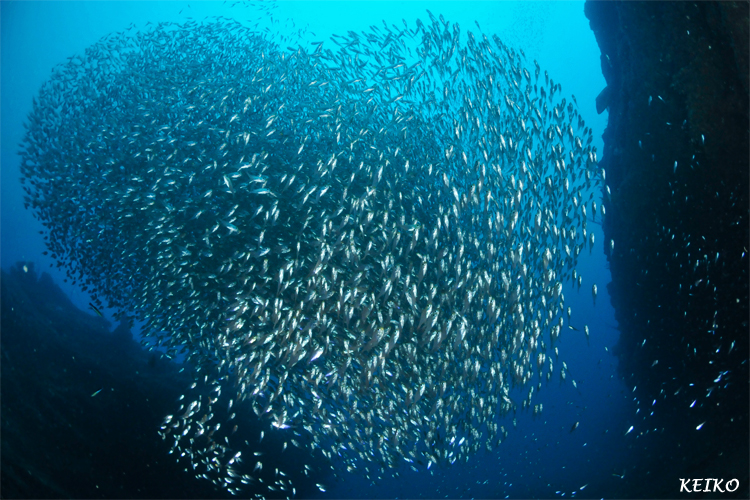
x: 676, y: 158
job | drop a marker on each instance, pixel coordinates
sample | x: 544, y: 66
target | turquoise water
x: 542, y: 456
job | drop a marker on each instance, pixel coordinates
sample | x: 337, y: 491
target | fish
x: 359, y: 237
x: 97, y: 311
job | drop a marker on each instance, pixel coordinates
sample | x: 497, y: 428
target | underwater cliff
x: 676, y: 156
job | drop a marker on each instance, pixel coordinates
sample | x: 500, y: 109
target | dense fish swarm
x: 367, y: 242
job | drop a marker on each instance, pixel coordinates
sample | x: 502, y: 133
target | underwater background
x: 82, y: 401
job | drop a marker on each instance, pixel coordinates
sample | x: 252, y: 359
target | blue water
x: 542, y: 457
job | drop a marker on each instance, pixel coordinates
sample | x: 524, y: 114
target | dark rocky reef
x: 59, y: 441
x: 676, y: 158
x: 81, y: 406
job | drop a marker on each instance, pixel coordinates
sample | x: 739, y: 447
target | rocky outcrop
x: 81, y: 406
x: 676, y: 160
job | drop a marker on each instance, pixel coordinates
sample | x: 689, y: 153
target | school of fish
x: 364, y: 239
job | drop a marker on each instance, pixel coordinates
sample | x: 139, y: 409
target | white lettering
x: 717, y: 485
x: 736, y: 484
x: 731, y: 485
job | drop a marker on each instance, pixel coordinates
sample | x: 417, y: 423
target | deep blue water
x: 542, y: 457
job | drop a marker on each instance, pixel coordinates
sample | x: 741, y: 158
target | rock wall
x: 676, y: 160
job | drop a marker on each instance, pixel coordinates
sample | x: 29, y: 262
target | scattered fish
x: 97, y: 311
